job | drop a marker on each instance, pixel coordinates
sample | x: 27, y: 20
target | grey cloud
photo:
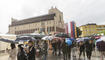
x: 81, y: 11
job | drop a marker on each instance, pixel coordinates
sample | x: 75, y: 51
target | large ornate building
x: 49, y: 24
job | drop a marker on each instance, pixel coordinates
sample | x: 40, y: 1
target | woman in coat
x: 12, y: 52
x: 21, y: 53
x: 31, y: 51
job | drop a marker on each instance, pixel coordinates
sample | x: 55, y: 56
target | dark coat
x: 89, y: 47
x: 82, y: 47
x: 59, y: 44
x: 101, y: 46
x: 31, y: 54
x: 54, y: 45
x: 65, y: 48
x: 45, y: 48
x: 21, y: 56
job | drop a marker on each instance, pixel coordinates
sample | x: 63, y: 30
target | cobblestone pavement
x: 50, y: 57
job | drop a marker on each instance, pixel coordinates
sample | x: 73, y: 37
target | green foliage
x: 102, y: 32
x: 79, y: 32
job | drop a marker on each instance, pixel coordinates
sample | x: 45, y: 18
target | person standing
x: 45, y: 50
x: 74, y: 49
x: 69, y: 52
x: 12, y: 52
x: 54, y: 47
x: 89, y: 45
x: 21, y: 53
x: 64, y: 50
x: 101, y: 47
x: 31, y: 51
x: 81, y: 49
x: 59, y: 47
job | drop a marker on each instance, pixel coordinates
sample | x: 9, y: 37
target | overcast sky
x: 81, y: 11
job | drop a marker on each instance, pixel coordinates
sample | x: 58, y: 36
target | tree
x: 79, y: 32
x: 102, y: 32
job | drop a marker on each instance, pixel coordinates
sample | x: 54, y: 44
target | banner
x: 66, y: 28
x: 73, y: 29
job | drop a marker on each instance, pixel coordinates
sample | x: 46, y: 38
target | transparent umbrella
x: 47, y: 38
x: 25, y: 38
x: 8, y: 41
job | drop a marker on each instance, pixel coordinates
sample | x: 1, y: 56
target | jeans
x: 44, y: 56
x: 89, y: 53
x: 82, y: 51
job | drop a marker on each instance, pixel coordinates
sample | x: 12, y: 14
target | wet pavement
x: 50, y: 57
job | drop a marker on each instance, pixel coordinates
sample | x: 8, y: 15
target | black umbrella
x: 61, y: 35
x: 25, y: 38
x: 8, y: 41
x: 86, y: 39
x: 101, y: 45
x: 35, y: 36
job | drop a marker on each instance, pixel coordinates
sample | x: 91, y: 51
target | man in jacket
x: 81, y: 49
x: 45, y: 50
x: 21, y: 53
x: 31, y: 51
x: 89, y: 48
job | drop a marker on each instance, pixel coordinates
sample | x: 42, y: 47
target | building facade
x: 48, y: 24
x: 100, y: 28
x: 88, y: 29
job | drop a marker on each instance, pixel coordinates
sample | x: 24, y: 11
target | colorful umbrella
x: 101, y: 39
x: 80, y: 39
x: 61, y: 35
x: 98, y: 40
x: 68, y: 41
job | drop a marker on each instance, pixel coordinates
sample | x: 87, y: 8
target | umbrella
x: 47, y: 38
x: 101, y: 39
x: 83, y: 39
x: 86, y: 38
x: 56, y: 38
x: 8, y: 41
x: 72, y: 39
x: 80, y: 39
x: 25, y: 38
x: 68, y: 41
x: 97, y: 37
x: 101, y: 45
x: 98, y: 40
x: 36, y: 36
x: 61, y: 35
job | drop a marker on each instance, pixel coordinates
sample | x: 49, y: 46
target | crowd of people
x: 66, y: 49
x: 59, y: 48
x: 24, y: 52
